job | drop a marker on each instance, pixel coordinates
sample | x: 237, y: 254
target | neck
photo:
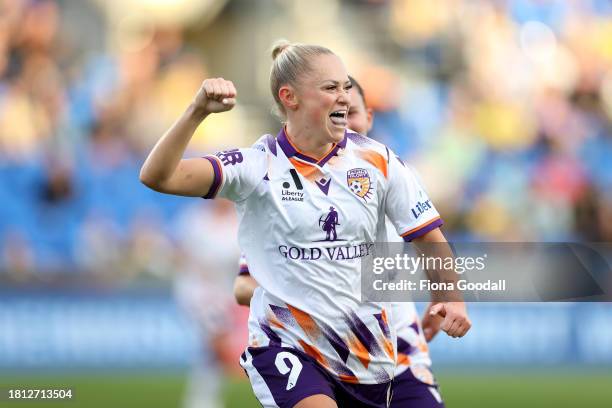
x: 307, y: 143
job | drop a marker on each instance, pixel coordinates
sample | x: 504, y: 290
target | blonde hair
x: 291, y: 61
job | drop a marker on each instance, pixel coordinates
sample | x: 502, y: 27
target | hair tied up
x: 278, y: 47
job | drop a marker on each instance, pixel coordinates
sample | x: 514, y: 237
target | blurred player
x: 413, y: 385
x: 312, y: 342
x: 202, y: 283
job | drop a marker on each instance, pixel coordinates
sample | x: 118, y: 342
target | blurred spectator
x: 505, y: 108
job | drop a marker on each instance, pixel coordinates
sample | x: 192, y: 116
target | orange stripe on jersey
x: 384, y: 317
x: 403, y: 359
x: 351, y: 379
x: 419, y: 227
x: 375, y: 159
x: 310, y: 172
x: 359, y: 350
x: 313, y: 352
x: 388, y: 347
x: 305, y: 321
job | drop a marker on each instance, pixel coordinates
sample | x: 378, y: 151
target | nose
x: 344, y: 98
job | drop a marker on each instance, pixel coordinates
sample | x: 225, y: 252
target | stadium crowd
x: 511, y: 132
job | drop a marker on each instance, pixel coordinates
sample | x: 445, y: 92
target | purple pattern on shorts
x: 437, y: 223
x: 383, y: 325
x: 313, y: 379
x: 275, y: 340
x: 364, y: 334
x: 408, y: 391
x: 414, y: 326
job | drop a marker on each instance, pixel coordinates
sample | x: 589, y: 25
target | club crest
x: 358, y: 181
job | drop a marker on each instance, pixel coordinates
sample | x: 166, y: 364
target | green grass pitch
x: 563, y: 388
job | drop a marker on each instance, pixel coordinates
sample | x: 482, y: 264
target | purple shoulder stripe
x: 429, y: 227
x: 214, y: 188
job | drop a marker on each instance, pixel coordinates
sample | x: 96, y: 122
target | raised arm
x: 165, y: 170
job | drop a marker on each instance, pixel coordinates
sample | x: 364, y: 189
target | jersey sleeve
x: 407, y: 204
x: 237, y: 173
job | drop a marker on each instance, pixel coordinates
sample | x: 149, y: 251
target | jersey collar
x: 290, y: 150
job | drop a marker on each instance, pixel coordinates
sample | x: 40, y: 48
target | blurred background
x: 124, y: 295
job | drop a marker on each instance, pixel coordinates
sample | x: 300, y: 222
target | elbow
x: 241, y: 298
x: 148, y: 180
x: 242, y: 294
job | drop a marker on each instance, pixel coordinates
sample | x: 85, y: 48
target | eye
x: 348, y: 87
x: 330, y: 87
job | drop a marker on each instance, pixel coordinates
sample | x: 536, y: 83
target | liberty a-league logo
x: 328, y: 223
x: 289, y: 192
x: 358, y: 181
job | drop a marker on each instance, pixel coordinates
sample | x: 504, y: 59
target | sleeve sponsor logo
x: 421, y: 207
x: 230, y: 157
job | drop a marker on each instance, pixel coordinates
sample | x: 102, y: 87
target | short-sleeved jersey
x: 305, y: 224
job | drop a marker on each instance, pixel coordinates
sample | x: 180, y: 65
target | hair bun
x: 278, y: 47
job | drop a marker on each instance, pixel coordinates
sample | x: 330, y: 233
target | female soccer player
x: 413, y: 384
x: 312, y: 342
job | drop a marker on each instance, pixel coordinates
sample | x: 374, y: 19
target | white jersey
x: 304, y: 225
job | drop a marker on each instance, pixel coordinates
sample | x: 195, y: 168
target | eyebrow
x: 333, y: 81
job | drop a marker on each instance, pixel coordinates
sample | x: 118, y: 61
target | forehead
x: 328, y: 67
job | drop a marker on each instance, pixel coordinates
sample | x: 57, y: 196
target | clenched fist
x: 456, y: 322
x: 215, y: 95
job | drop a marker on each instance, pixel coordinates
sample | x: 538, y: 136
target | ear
x: 370, y: 114
x: 287, y: 97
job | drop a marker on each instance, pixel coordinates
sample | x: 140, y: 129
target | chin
x: 337, y: 135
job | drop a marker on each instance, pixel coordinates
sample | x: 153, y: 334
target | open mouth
x: 338, y: 117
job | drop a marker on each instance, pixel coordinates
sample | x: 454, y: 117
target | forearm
x: 165, y: 157
x: 434, y: 246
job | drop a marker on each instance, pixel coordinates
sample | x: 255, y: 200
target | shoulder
x: 361, y: 142
x: 265, y: 143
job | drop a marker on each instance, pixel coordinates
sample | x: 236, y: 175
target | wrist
x: 197, y: 112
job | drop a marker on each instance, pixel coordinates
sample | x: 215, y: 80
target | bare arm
x: 165, y: 170
x: 450, y: 316
x: 244, y: 286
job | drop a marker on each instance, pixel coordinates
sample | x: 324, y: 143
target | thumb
x: 437, y: 309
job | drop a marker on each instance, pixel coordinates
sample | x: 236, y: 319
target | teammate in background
x: 312, y: 342
x: 414, y: 384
